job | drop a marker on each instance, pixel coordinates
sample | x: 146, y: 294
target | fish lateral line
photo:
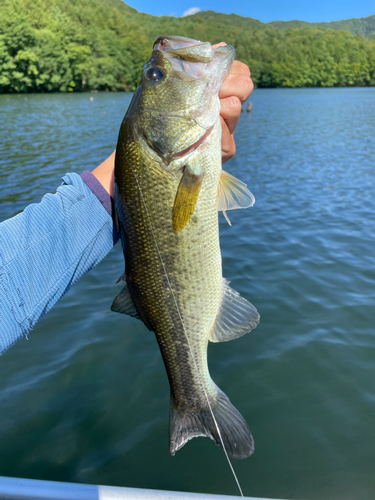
x: 214, y: 409
x: 185, y: 333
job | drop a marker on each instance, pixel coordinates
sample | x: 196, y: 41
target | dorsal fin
x: 233, y: 194
x: 236, y: 316
x: 122, y: 278
x: 116, y: 219
x: 124, y: 304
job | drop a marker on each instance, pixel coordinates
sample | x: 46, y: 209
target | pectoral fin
x: 186, y: 199
x: 233, y: 194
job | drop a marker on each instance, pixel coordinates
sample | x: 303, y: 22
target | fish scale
x: 193, y: 286
x: 167, y: 203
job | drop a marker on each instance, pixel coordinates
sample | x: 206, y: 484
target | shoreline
x: 132, y: 91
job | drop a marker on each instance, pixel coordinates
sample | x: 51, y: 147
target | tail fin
x: 186, y: 424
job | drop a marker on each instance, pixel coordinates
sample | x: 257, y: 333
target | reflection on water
x: 86, y: 399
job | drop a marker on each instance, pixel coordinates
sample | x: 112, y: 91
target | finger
x: 239, y: 85
x: 240, y: 68
x: 228, y: 147
x: 221, y: 44
x: 230, y: 110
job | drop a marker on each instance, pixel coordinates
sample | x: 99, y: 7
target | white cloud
x: 191, y: 11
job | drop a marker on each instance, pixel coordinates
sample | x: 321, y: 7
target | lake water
x: 86, y: 399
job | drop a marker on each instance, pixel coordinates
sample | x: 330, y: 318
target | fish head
x: 178, y: 103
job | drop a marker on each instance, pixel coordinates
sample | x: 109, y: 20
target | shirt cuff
x: 94, y: 185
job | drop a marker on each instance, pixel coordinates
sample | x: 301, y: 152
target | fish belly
x: 175, y: 278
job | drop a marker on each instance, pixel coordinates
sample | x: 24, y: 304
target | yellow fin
x: 233, y: 194
x: 186, y: 199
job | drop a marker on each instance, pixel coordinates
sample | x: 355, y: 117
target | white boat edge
x: 12, y: 488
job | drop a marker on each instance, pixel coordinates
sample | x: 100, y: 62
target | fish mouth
x: 193, y: 146
x: 186, y: 49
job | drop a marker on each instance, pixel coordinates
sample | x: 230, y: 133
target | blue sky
x: 264, y: 10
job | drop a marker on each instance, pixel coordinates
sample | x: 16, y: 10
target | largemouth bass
x: 169, y: 187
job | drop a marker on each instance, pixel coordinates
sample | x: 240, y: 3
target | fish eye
x: 154, y: 74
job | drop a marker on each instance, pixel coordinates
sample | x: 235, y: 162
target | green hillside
x: 364, y: 26
x: 80, y: 45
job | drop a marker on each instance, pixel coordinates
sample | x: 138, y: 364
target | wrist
x: 105, y: 173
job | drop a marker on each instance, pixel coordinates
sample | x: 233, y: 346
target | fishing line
x: 183, y: 326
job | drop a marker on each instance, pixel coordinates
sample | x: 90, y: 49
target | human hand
x: 234, y: 91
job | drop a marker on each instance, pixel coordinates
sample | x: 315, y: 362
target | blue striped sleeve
x: 45, y: 250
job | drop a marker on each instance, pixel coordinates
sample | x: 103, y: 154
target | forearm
x: 45, y: 250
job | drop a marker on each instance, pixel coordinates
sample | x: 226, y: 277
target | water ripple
x: 86, y: 398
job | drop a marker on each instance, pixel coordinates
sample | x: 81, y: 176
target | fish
x: 169, y: 189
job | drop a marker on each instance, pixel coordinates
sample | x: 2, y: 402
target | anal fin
x: 236, y: 316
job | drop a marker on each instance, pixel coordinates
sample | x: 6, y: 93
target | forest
x: 83, y: 45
